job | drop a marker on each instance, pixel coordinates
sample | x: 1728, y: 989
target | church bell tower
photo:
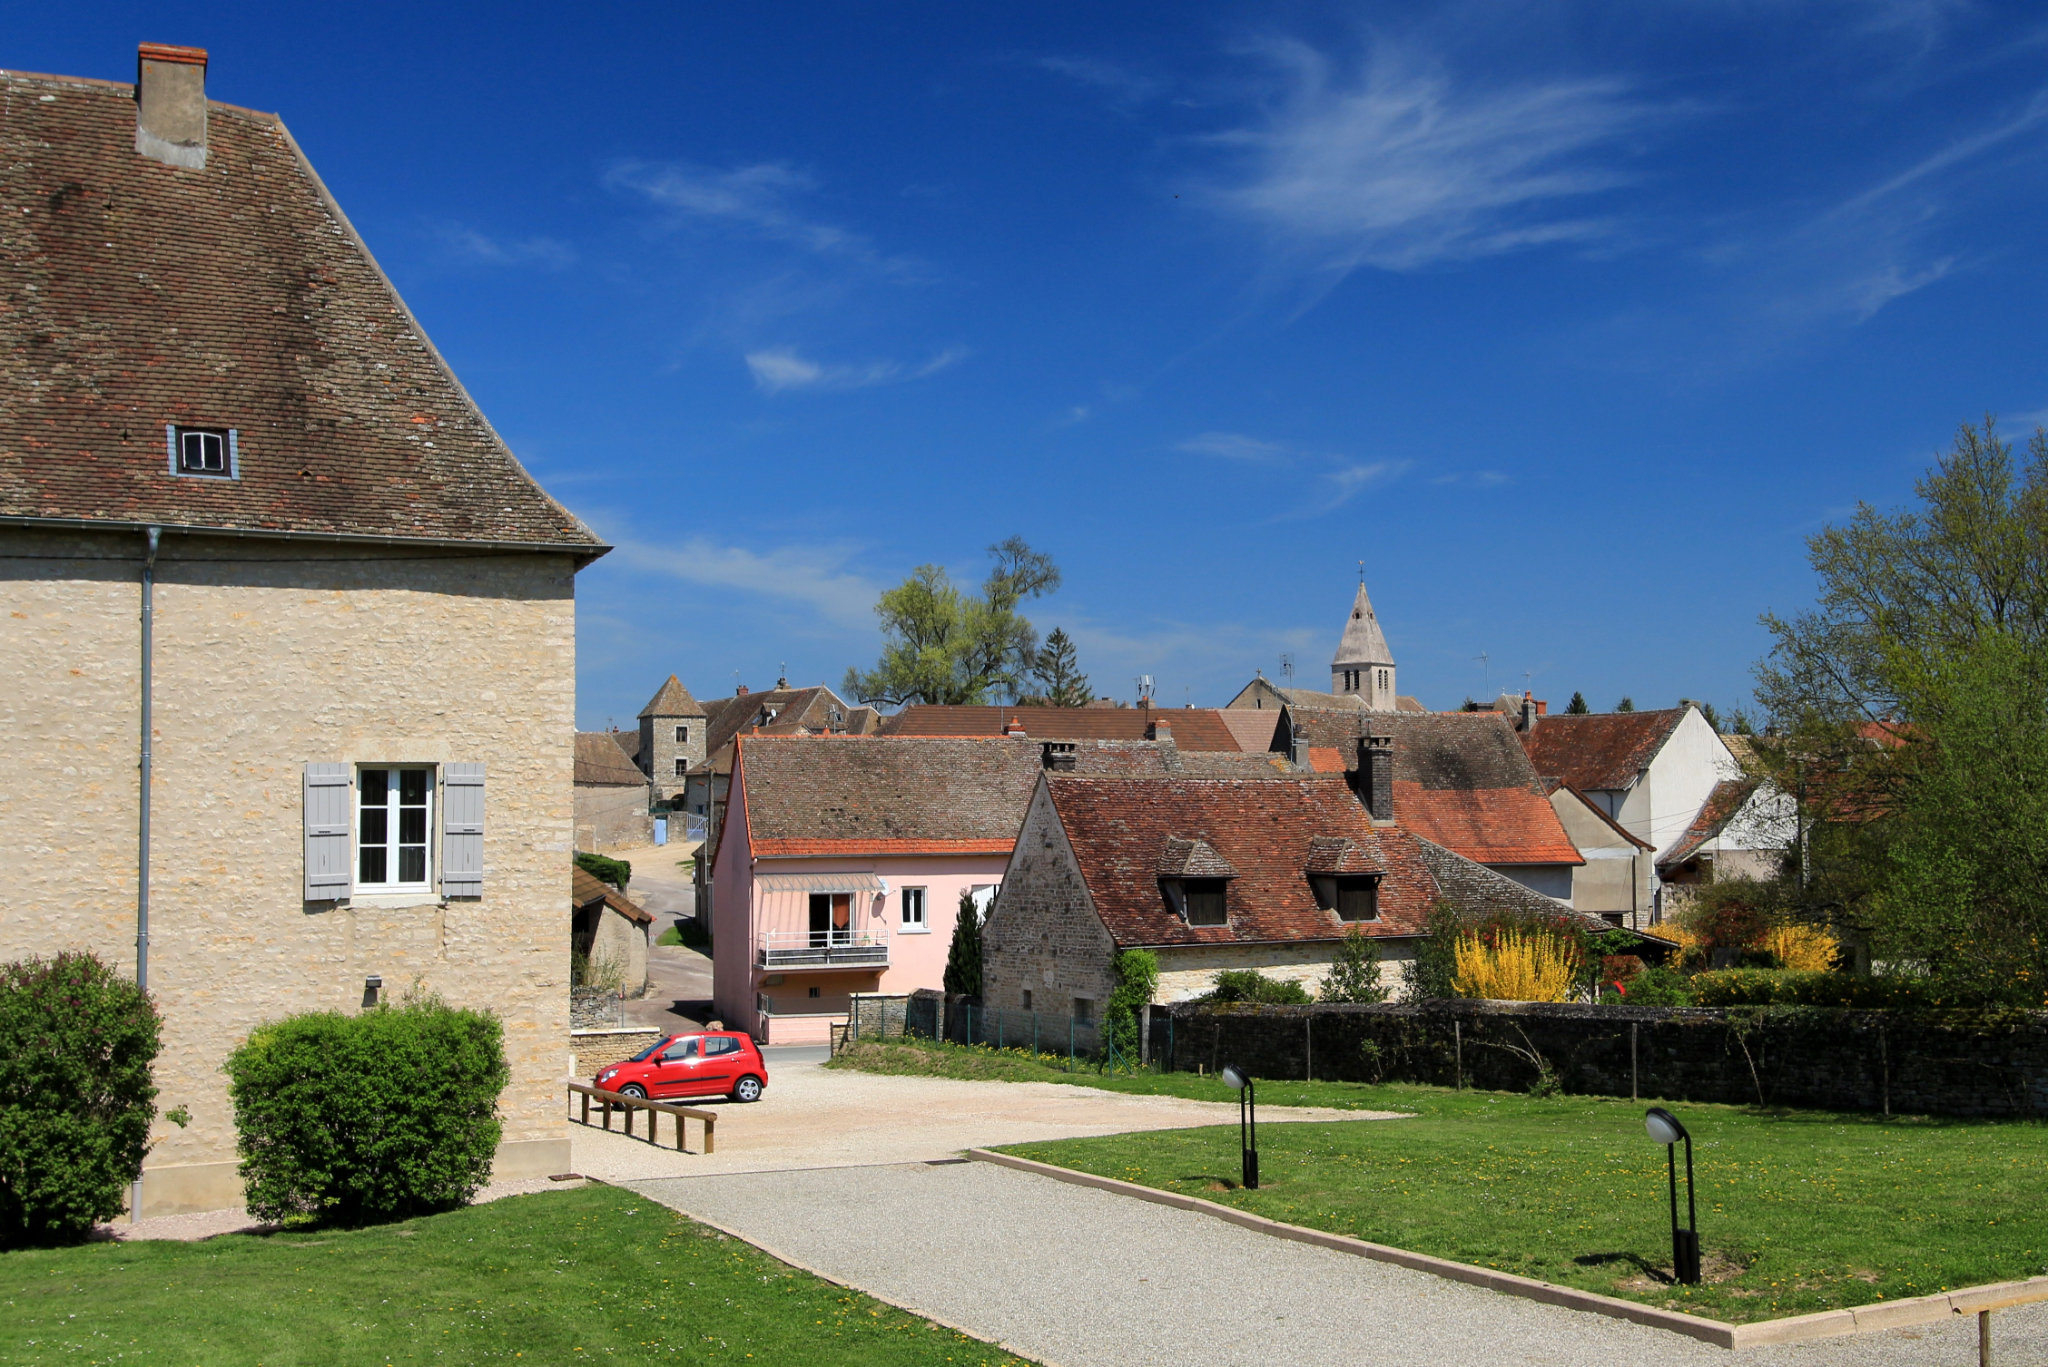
x: 1364, y: 665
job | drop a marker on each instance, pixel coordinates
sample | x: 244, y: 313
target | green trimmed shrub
x: 1137, y: 977
x: 1250, y: 985
x: 617, y: 872
x: 1782, y: 987
x: 349, y: 1119
x: 76, y: 1099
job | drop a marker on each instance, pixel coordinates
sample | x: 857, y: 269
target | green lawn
x: 592, y: 1275
x: 1799, y: 1211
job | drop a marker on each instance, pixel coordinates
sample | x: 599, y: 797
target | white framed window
x: 914, y: 922
x: 203, y: 452
x: 682, y: 766
x: 394, y: 828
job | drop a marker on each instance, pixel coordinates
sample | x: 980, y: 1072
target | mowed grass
x: 597, y: 1274
x: 1798, y: 1211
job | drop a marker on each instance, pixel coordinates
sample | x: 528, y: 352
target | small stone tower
x: 1364, y: 665
x: 671, y: 739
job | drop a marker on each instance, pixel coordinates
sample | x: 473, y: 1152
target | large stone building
x: 672, y: 740
x: 278, y: 599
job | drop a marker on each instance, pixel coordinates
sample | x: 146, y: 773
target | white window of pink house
x: 914, y: 920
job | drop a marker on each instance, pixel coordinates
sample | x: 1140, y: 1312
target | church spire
x: 1364, y: 664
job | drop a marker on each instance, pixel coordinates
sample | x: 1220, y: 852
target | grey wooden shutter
x: 330, y: 872
x: 462, y: 831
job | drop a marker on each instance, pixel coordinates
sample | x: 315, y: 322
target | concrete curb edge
x: 1797, y: 1329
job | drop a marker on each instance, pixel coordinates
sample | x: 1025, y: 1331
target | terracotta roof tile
x: 1713, y: 817
x: 672, y: 700
x: 600, y: 760
x: 1603, y: 752
x: 586, y: 888
x: 1194, y: 728
x: 1461, y: 779
x: 137, y: 295
x: 1271, y: 834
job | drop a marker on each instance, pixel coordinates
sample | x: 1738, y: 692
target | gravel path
x: 1084, y: 1278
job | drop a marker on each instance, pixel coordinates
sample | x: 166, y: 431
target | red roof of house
x: 586, y: 888
x: 1271, y: 834
x: 1194, y: 728
x: 1713, y: 816
x: 1461, y: 779
x: 1601, y: 752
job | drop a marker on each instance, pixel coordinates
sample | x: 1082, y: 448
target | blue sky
x: 1570, y: 320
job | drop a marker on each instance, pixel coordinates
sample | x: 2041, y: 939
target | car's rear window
x: 647, y: 1053
x: 721, y: 1044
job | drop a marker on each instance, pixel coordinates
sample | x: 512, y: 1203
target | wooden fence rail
x: 655, y: 1111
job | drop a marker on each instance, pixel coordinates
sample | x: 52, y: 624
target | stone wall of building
x: 270, y: 655
x: 591, y: 1050
x: 1953, y: 1063
x: 1043, y: 936
x: 612, y: 816
x: 1190, y: 970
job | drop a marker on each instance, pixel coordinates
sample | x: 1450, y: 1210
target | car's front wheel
x: 747, y: 1089
x: 634, y: 1090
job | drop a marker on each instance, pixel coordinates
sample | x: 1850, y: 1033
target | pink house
x: 842, y: 859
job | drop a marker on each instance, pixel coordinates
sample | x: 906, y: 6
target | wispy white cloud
x: 1120, y: 83
x: 818, y: 578
x: 777, y: 369
x: 765, y: 199
x: 1395, y: 164
x: 472, y: 245
x: 1233, y: 446
x: 1347, y: 482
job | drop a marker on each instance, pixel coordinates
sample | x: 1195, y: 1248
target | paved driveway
x: 853, y: 1176
x: 678, y: 979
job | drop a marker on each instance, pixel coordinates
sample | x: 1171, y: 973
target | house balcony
x: 786, y: 950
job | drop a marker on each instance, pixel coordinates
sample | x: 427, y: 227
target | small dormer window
x: 1199, y: 901
x: 203, y: 452
x: 1354, y: 897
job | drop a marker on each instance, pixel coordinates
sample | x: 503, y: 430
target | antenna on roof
x: 1287, y: 668
x: 1145, y: 688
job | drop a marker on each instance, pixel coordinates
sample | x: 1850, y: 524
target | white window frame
x: 174, y: 437
x: 922, y: 898
x: 392, y: 844
x: 682, y: 767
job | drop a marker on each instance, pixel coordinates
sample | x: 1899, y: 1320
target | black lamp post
x: 1247, y: 1123
x: 1685, y: 1243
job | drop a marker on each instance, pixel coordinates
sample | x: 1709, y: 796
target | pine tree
x: 1625, y: 705
x: 1577, y: 706
x: 1355, y: 972
x: 1059, y: 671
x: 963, y: 956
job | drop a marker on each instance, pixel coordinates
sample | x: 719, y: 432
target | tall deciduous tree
x: 940, y: 645
x: 1910, y: 711
x: 1058, y: 673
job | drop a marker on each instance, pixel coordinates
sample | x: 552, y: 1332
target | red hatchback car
x: 697, y: 1065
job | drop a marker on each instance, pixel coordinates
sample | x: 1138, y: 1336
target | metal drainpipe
x: 142, y: 823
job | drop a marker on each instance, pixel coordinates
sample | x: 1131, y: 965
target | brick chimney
x: 1015, y: 728
x: 170, y: 105
x: 1159, y: 728
x: 1376, y: 776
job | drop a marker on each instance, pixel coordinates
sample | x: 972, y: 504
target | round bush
x: 76, y: 1099
x: 350, y: 1119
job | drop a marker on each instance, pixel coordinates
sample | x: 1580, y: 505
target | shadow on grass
x: 1652, y: 1273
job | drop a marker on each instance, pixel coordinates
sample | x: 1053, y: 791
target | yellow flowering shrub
x: 1513, y: 968
x: 1808, y: 949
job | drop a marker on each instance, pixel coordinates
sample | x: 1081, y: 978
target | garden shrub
x: 1783, y: 987
x: 1137, y: 977
x: 1805, y: 949
x: 604, y: 869
x: 1515, y: 965
x: 76, y: 1098
x: 1354, y: 971
x: 1250, y: 985
x: 1654, y: 986
x: 377, y: 1116
x: 1432, y: 973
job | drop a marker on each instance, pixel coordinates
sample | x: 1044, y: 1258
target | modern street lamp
x: 1247, y: 1123
x: 1685, y: 1243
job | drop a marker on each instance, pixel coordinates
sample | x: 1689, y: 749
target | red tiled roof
x: 1460, y: 779
x: 1713, y: 816
x: 1271, y: 833
x: 600, y: 760
x: 140, y: 295
x: 586, y: 888
x: 1256, y: 728
x: 1194, y: 728
x: 768, y: 849
x: 1325, y: 759
x: 1602, y: 752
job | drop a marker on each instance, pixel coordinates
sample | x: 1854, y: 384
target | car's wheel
x: 747, y: 1088
x: 634, y: 1090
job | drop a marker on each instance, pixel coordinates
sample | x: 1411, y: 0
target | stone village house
x: 288, y: 632
x: 1213, y: 874
x: 842, y: 860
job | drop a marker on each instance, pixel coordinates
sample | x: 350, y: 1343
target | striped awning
x: 819, y: 882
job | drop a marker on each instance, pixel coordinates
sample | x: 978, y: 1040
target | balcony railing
x: 824, y: 949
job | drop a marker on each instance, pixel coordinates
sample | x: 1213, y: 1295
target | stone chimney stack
x: 170, y: 105
x: 1015, y: 729
x: 1376, y: 776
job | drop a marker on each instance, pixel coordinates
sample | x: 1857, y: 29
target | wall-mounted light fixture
x: 373, y: 989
